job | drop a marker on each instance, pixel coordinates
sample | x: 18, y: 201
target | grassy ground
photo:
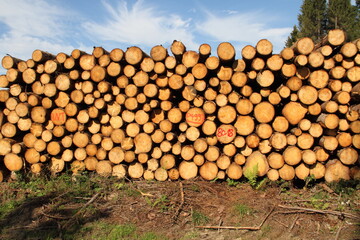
x: 93, y: 207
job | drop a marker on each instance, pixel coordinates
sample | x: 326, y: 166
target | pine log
x: 335, y: 171
x: 188, y: 170
x: 256, y: 160
x: 226, y: 114
x: 208, y: 171
x: 226, y: 51
x: 13, y: 162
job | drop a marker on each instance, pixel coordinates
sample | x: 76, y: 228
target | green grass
x: 199, y: 218
x: 107, y: 231
x: 251, y: 175
x: 242, y: 210
x: 191, y: 235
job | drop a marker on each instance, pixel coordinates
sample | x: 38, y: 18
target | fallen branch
x: 132, y: 185
x: 294, y: 222
x: 256, y: 228
x: 178, y: 210
x: 83, y: 207
x: 54, y: 217
x: 337, y: 213
x: 338, y: 232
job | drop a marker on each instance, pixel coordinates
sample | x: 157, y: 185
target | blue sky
x: 61, y: 26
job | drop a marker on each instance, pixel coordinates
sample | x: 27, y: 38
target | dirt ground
x: 191, y: 210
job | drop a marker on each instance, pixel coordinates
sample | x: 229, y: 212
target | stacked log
x: 179, y: 114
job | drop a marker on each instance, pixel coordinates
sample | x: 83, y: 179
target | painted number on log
x: 221, y: 132
x: 195, y: 117
x: 226, y: 133
x: 58, y: 117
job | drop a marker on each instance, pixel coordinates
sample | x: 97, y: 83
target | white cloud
x: 32, y: 18
x: 34, y: 24
x: 141, y: 25
x: 240, y: 27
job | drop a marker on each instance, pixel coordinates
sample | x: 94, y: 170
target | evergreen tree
x: 312, y: 19
x: 294, y: 35
x: 343, y: 15
x: 317, y: 17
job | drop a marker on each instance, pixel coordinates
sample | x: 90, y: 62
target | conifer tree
x: 343, y: 15
x: 312, y: 19
x: 317, y: 17
x: 294, y: 35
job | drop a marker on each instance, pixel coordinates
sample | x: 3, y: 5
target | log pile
x: 179, y: 114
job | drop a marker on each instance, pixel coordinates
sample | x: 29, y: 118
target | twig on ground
x: 133, y: 186
x: 337, y: 213
x: 327, y: 188
x: 53, y: 217
x: 293, y: 212
x: 220, y: 223
x: 256, y: 228
x: 83, y: 207
x: 281, y: 223
x: 178, y: 210
x: 294, y: 222
x: 339, y: 230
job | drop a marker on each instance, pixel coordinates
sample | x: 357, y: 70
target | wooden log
x: 294, y: 112
x: 252, y: 141
x: 335, y: 171
x: 316, y: 59
x: 275, y: 160
x: 13, y: 162
x: 329, y: 142
x: 192, y: 133
x: 208, y: 171
x: 190, y: 58
x: 302, y: 171
x: 319, y: 78
x: 330, y: 121
x: 264, y: 47
x: 143, y: 143
x: 188, y: 170
x: 226, y: 114
x: 317, y: 170
x: 212, y: 63
x: 356, y: 141
x: 257, y: 163
x: 244, y: 125
x: 301, y: 60
x: 309, y: 157
x: 353, y: 74
x: 248, y: 52
x: 264, y: 112
x: 348, y: 155
x: 273, y: 175
x: 287, y: 172
x: 275, y: 62
x: 167, y: 161
x: 224, y: 73
x: 305, y: 141
x: 304, y: 46
x: 287, y: 53
x: 226, y: 133
x: 209, y: 127
x: 264, y: 130
x: 8, y: 130
x: 226, y: 51
x: 209, y: 107
x: 5, y: 146
x: 278, y: 140
x: 292, y: 155
x: 307, y: 95
x: 265, y: 78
